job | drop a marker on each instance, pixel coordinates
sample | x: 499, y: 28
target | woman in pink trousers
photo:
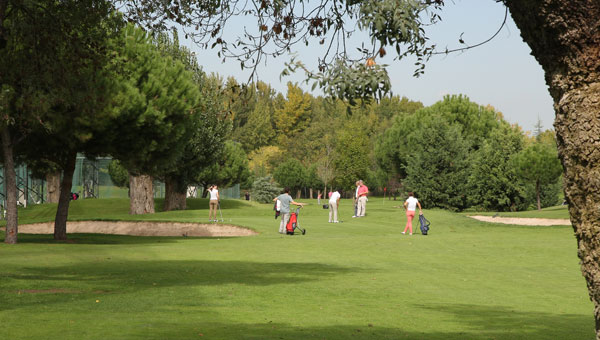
x: 410, y: 205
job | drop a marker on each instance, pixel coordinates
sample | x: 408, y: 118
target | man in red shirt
x: 363, y: 191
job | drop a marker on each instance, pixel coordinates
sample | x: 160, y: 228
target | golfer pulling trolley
x: 285, y: 199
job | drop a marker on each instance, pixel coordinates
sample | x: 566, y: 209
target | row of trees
x: 455, y: 154
x: 109, y: 89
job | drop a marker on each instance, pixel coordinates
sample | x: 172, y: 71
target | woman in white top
x: 411, y: 205
x: 213, y: 203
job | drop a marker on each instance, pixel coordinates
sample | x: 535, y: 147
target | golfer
x: 355, y: 199
x: 285, y: 199
x: 213, y: 203
x: 334, y: 202
x: 411, y: 206
x: 362, y: 193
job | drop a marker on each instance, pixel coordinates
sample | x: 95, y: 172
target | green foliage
x: 154, y: 108
x: 312, y: 177
x: 352, y: 156
x: 231, y: 167
x: 538, y: 164
x: 118, y: 174
x: 59, y: 78
x: 486, y: 181
x: 493, y: 183
x: 264, y: 189
x: 394, y: 146
x: 291, y: 174
x: 208, y: 125
x: 263, y: 160
x: 476, y: 121
x: 293, y: 117
x: 253, y: 109
x: 437, y: 170
x: 550, y: 194
x: 352, y: 82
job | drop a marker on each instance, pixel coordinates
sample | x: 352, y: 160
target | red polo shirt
x: 363, y: 190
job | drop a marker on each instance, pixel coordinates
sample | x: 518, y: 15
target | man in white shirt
x: 334, y: 202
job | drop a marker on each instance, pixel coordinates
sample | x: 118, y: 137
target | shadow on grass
x: 118, y: 275
x: 475, y: 323
x: 100, y: 239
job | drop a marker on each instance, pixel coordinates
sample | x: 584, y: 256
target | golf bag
x: 277, y: 207
x: 424, y: 224
x: 292, y: 224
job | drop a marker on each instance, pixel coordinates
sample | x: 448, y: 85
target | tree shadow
x: 118, y: 275
x: 476, y: 323
x: 99, y: 239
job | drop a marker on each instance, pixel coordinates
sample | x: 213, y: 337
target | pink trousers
x: 409, y: 217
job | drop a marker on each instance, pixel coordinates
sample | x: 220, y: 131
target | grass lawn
x: 360, y: 279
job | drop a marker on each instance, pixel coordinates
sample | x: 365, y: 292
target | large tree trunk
x: 62, y: 212
x: 174, y: 195
x: 10, y: 181
x: 53, y: 184
x: 564, y: 36
x: 141, y: 195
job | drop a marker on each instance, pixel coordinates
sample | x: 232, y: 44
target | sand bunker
x: 523, y: 221
x: 141, y: 228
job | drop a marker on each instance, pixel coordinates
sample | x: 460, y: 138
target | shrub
x: 264, y: 189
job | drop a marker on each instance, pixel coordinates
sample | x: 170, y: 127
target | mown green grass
x: 360, y: 279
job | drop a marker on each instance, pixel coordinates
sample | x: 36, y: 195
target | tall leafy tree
x: 326, y: 164
x: 55, y: 88
x: 291, y: 174
x: 264, y: 160
x: 208, y: 126
x: 493, y: 183
x: 476, y: 121
x: 230, y: 167
x: 313, y: 180
x: 352, y: 151
x: 538, y: 164
x: 293, y: 116
x: 259, y: 130
x: 437, y: 169
x: 155, y: 106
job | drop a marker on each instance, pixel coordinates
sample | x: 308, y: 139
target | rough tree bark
x: 564, y: 36
x: 10, y: 178
x: 62, y: 212
x: 53, y: 184
x: 174, y: 195
x: 141, y: 195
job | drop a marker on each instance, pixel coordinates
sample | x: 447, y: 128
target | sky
x: 501, y: 73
